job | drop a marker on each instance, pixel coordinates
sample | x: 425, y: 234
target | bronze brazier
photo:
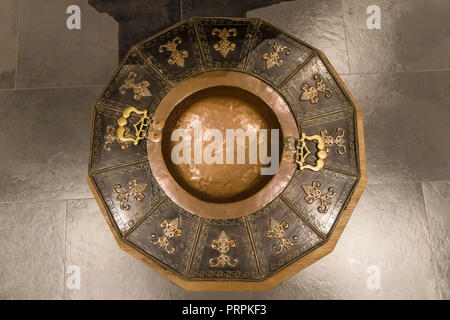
x: 221, y: 226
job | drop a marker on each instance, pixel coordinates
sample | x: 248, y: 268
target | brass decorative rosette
x: 225, y: 226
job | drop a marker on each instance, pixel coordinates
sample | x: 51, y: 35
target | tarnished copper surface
x: 220, y: 108
x: 221, y: 100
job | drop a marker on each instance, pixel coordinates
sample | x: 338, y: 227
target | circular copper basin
x: 226, y: 187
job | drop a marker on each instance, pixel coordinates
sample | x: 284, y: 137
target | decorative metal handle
x: 297, y: 151
x: 139, y: 127
x: 303, y: 152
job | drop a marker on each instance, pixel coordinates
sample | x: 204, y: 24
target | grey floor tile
x: 51, y: 55
x: 32, y: 254
x: 318, y: 23
x: 44, y: 138
x: 414, y: 35
x: 437, y: 203
x: 406, y: 124
x: 388, y: 231
x: 9, y: 10
x: 107, y: 272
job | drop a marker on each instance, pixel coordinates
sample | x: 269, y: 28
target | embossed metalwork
x: 224, y: 45
x: 277, y: 231
x: 170, y: 229
x: 313, y: 193
x: 140, y: 127
x: 312, y: 93
x: 139, y: 89
x: 176, y: 56
x: 223, y: 245
x: 111, y: 136
x: 201, y: 230
x: 302, y: 152
x: 135, y: 190
x: 338, y: 141
x: 273, y: 58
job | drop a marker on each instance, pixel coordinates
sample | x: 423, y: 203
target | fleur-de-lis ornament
x: 170, y: 229
x: 338, y: 140
x: 176, y: 56
x: 277, y: 231
x: 111, y: 136
x: 139, y: 89
x: 313, y: 194
x: 273, y: 58
x: 312, y: 93
x: 224, y: 45
x: 223, y: 245
x: 135, y: 190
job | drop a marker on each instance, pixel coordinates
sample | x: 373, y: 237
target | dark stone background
x: 140, y: 19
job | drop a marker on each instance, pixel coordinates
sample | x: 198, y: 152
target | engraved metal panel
x: 322, y: 208
x: 174, y: 53
x: 173, y: 248
x: 338, y: 131
x: 241, y: 262
x: 275, y: 55
x: 107, y: 182
x: 225, y: 43
x: 107, y: 150
x: 135, y: 84
x: 278, y: 245
x: 314, y: 74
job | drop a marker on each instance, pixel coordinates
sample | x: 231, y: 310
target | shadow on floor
x: 140, y: 19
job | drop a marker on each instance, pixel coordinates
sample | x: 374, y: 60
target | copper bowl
x: 221, y: 100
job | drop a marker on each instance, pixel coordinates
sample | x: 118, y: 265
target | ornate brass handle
x: 140, y: 127
x: 301, y: 151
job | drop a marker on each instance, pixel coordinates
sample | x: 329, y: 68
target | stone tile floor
x: 50, y: 77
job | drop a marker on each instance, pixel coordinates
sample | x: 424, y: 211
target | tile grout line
x: 65, y: 252
x: 430, y: 241
x: 345, y: 35
x: 393, y: 72
x: 50, y: 88
x: 43, y: 200
x: 17, y: 45
x: 364, y: 73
